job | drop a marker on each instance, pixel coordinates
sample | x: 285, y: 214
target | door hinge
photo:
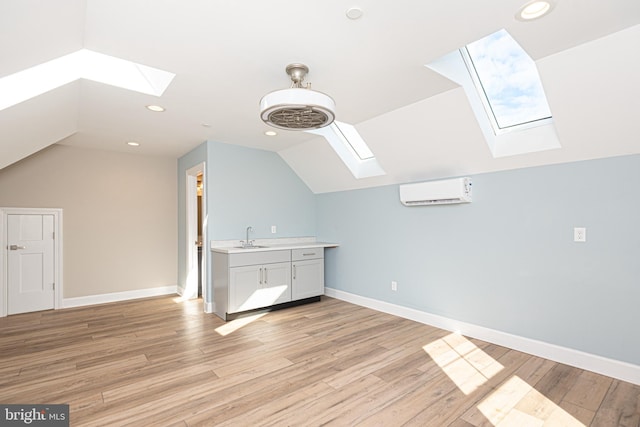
x: 53, y: 235
x: 53, y: 286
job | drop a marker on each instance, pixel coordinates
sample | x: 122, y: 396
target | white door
x: 30, y: 263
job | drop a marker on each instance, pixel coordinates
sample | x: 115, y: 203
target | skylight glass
x: 508, y: 80
x: 85, y: 64
x: 351, y: 148
x: 353, y: 140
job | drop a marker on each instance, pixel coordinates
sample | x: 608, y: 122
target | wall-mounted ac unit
x: 445, y: 192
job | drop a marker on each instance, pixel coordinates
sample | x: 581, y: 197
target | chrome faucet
x: 248, y: 242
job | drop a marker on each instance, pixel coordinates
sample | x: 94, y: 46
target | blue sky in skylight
x: 510, y: 80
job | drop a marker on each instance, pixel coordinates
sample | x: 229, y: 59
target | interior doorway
x: 196, y: 219
x: 199, y: 194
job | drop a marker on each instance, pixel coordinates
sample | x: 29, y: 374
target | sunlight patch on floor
x: 191, y: 306
x: 236, y: 324
x: 466, y: 365
x: 516, y: 403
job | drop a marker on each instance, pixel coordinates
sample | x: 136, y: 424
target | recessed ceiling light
x: 271, y: 133
x: 133, y: 144
x: 534, y: 10
x: 354, y: 13
x: 155, y: 108
x: 205, y: 125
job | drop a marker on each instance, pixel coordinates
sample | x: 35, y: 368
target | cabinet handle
x: 261, y: 276
x: 308, y: 253
x: 294, y: 271
x: 265, y: 275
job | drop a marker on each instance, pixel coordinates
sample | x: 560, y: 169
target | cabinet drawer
x: 309, y: 253
x: 261, y: 257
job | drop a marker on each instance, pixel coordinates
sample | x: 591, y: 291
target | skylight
x: 507, y: 80
x: 351, y: 148
x: 353, y: 140
x: 505, y: 93
x: 86, y: 64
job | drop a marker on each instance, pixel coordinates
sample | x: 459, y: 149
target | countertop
x: 273, y: 247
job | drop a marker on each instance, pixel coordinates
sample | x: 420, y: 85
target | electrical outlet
x: 579, y: 234
x: 394, y: 286
x: 273, y: 229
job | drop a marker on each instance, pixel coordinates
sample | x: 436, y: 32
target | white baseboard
x: 209, y: 307
x: 610, y: 367
x: 117, y: 296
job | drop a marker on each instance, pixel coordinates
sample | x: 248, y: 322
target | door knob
x: 16, y: 247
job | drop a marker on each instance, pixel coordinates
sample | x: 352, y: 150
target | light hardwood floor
x: 162, y: 362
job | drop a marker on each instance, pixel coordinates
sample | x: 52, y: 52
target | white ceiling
x: 227, y: 54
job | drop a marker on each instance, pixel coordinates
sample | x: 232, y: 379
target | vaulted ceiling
x: 227, y: 54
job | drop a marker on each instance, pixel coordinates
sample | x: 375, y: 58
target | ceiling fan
x: 300, y: 108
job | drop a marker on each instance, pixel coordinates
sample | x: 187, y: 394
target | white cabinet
x: 250, y: 280
x: 257, y: 286
x: 307, y: 271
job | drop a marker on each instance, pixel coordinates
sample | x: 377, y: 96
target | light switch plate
x: 273, y: 229
x: 579, y: 234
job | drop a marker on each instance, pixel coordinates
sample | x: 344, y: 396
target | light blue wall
x: 507, y: 261
x: 244, y: 187
x: 250, y: 187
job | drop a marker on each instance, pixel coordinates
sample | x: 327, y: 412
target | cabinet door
x: 257, y: 286
x: 276, y: 283
x: 308, y: 279
x: 244, y: 287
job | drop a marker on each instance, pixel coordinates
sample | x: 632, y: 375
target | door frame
x: 192, y: 232
x: 57, y: 252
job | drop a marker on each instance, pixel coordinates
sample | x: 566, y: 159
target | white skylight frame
x: 528, y: 138
x: 510, y: 69
x: 351, y: 148
x: 82, y: 64
x: 350, y: 136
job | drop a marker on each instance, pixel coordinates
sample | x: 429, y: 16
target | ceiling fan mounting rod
x: 297, y: 72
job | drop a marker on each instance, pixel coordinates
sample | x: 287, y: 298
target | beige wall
x: 119, y: 218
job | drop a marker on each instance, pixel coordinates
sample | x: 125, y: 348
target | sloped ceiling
x: 227, y: 55
x: 591, y: 92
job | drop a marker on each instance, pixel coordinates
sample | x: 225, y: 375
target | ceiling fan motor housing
x: 297, y: 108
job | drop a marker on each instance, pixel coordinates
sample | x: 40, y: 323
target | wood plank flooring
x: 162, y: 362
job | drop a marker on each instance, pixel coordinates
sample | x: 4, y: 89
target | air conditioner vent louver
x: 443, y: 192
x: 433, y: 202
